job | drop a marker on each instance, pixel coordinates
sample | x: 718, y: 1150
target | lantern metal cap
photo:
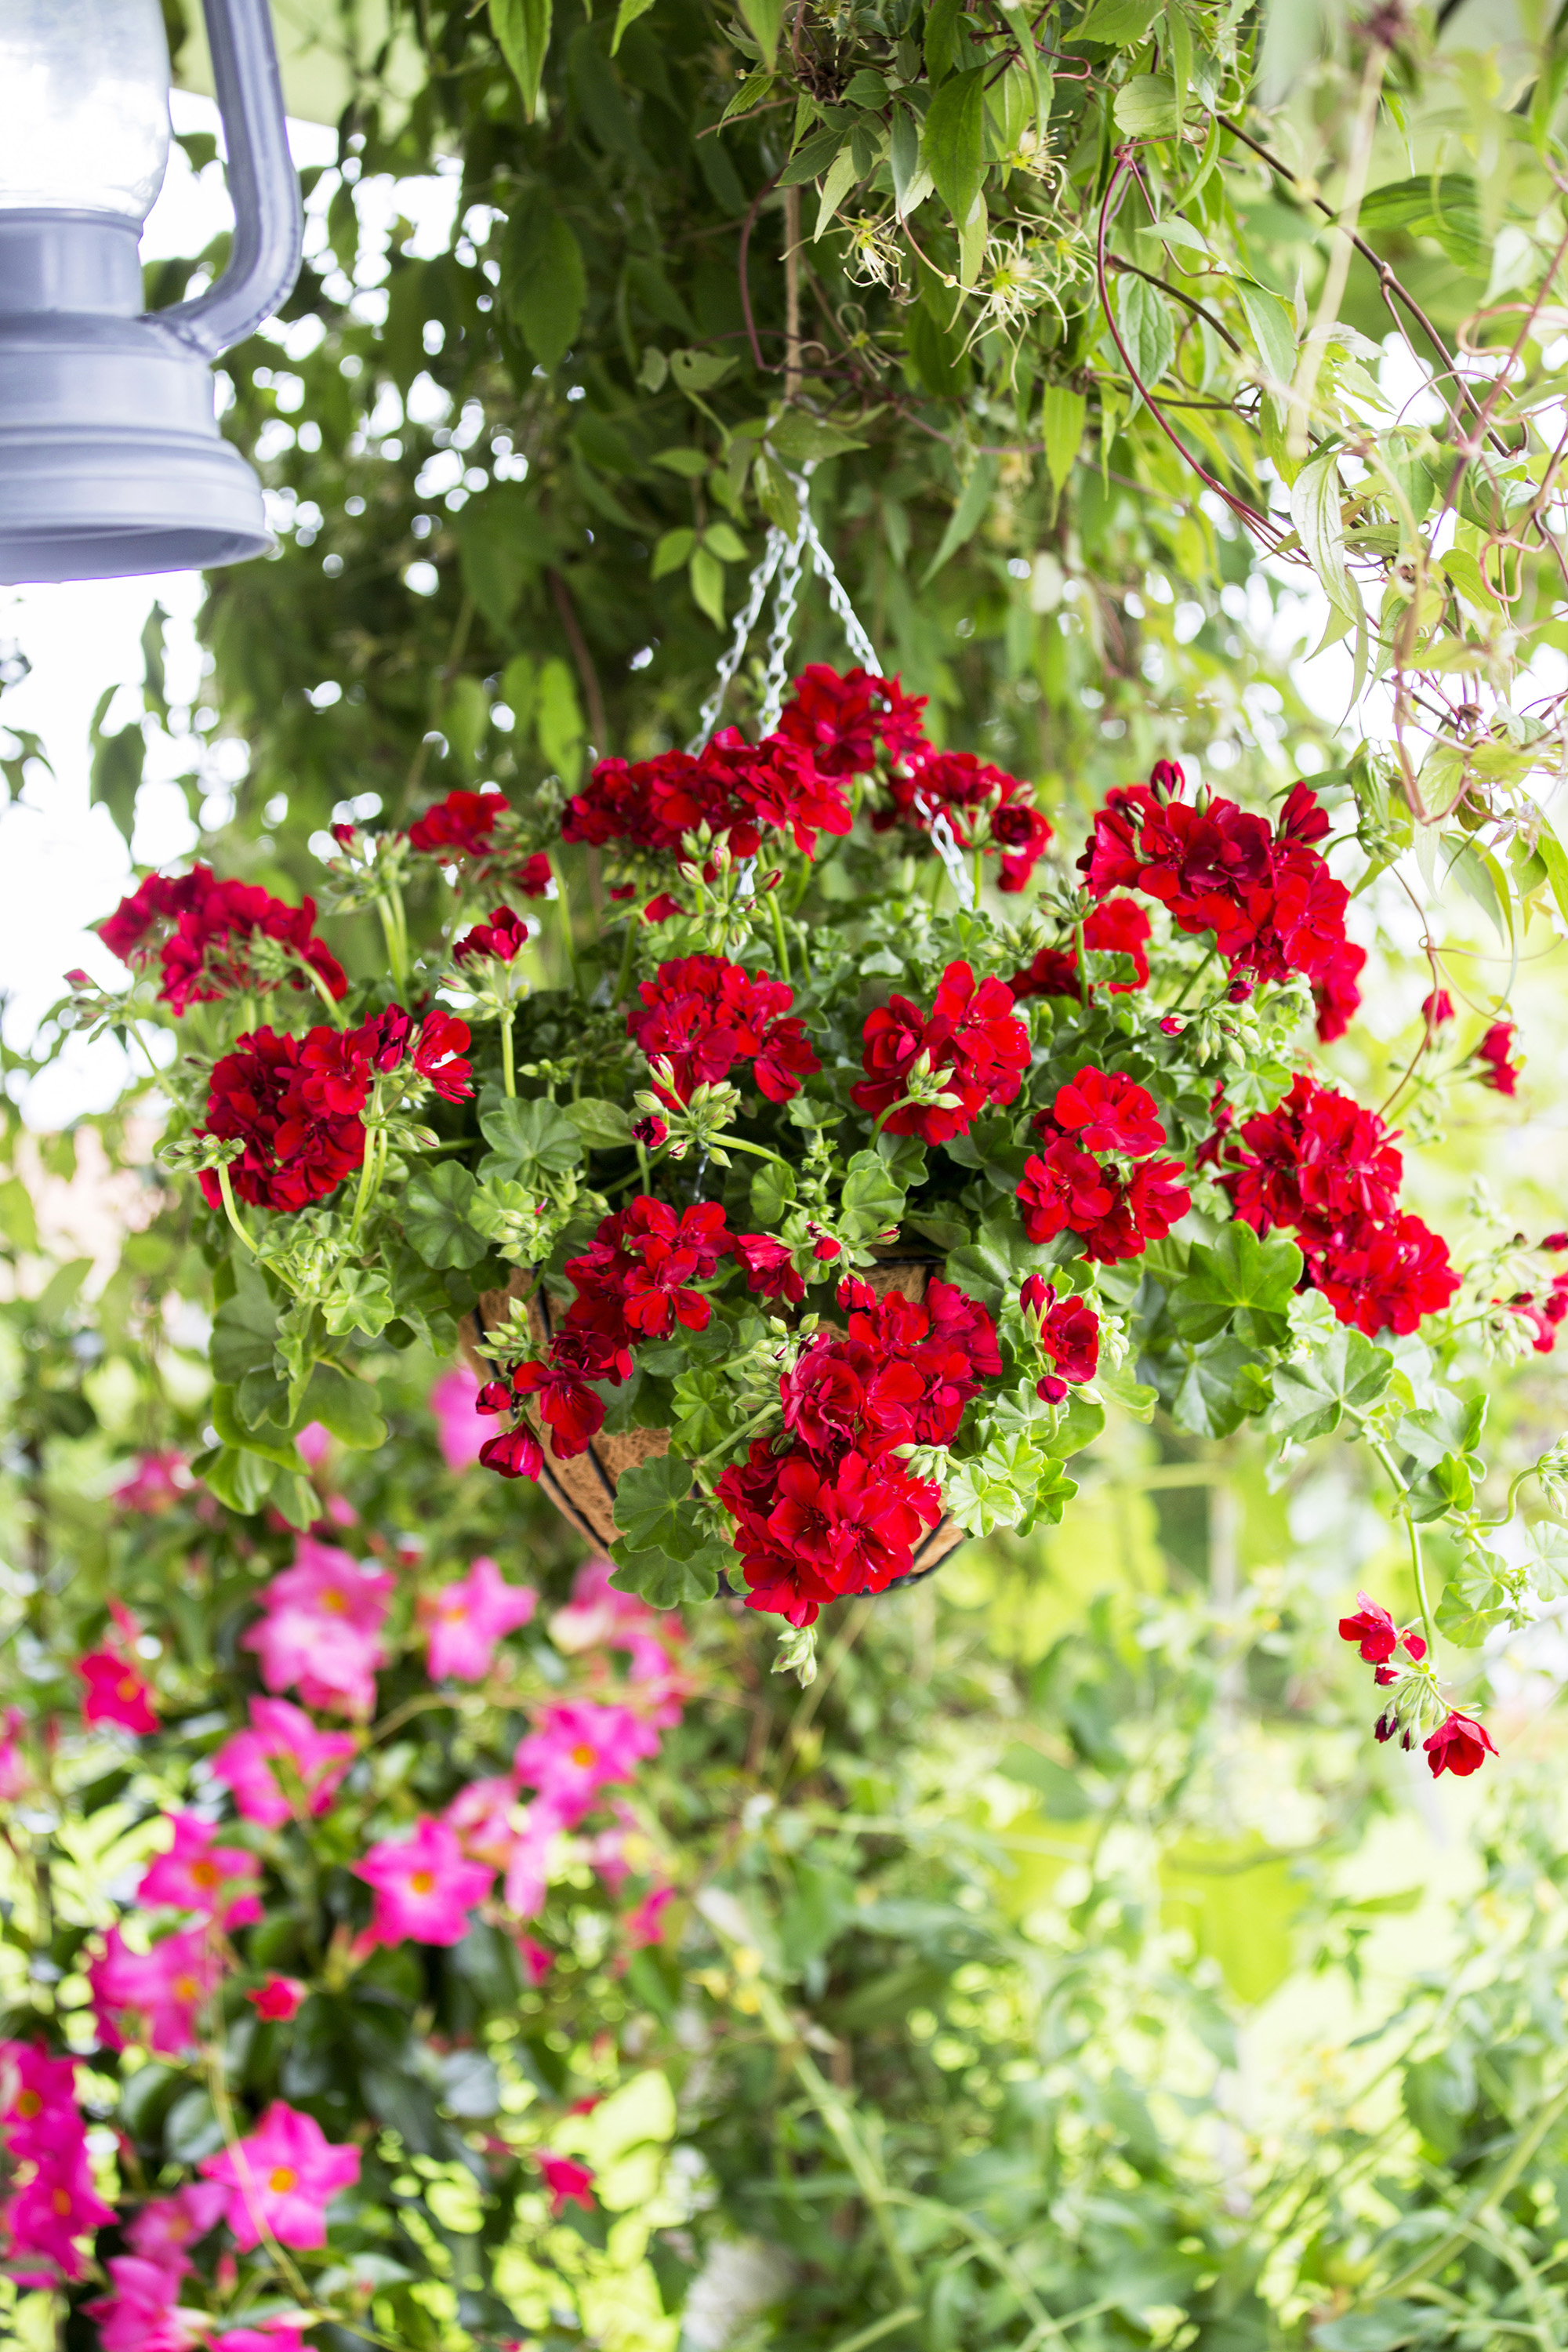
x: 111, y: 458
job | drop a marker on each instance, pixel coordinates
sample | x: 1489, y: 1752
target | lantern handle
x: 269, y: 225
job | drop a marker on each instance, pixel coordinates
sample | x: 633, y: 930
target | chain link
x: 944, y: 842
x: 786, y: 598
x: 745, y: 622
x: 860, y: 644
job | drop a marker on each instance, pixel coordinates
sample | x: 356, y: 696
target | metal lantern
x: 111, y: 458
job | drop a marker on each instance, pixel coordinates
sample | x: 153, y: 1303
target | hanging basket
x: 582, y: 1489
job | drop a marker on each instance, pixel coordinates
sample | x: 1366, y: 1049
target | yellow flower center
x: 61, y: 2202
x: 333, y: 1602
x: 422, y: 1883
x: 204, y: 1873
x: 29, y: 2104
x: 281, y: 2178
x: 584, y: 1755
x: 127, y: 1686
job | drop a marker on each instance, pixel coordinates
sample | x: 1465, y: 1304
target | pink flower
x: 281, y: 1760
x: 569, y: 2183
x: 314, y: 1442
x: 195, y: 1874
x: 282, y: 2177
x: 115, y: 1692
x: 458, y: 1432
x: 142, y: 2314
x: 157, y: 1483
x: 277, y: 2000
x: 163, y: 2229
x: 577, y: 1749
x: 528, y: 1865
x: 157, y: 1993
x: 482, y: 1818
x: 278, y: 2336
x: 15, y: 1776
x: 320, y: 1635
x: 42, y: 2136
x: 646, y: 1924
x: 425, y: 1888
x: 597, y: 1613
x: 467, y: 1619
x: 536, y: 1961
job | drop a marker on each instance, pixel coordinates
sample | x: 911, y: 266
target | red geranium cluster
x: 202, y: 931
x: 295, y: 1102
x: 844, y: 721
x: 1118, y: 926
x: 1095, y: 1175
x: 970, y: 1039
x: 835, y: 1511
x: 1459, y: 1745
x: 737, y: 789
x: 702, y: 1015
x: 1495, y: 1052
x: 636, y: 1281
x: 1264, y: 892
x: 1066, y: 1331
x: 1327, y: 1171
x: 474, y: 825
x: 968, y: 792
x: 504, y: 936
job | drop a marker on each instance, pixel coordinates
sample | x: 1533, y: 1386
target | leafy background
x: 1065, y: 1965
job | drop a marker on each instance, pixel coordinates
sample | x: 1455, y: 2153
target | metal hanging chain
x: 786, y: 598
x: 860, y: 644
x: 745, y: 622
x: 944, y: 841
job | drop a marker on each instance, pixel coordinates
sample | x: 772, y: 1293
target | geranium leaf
x: 435, y: 1216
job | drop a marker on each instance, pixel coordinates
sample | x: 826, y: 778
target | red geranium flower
x: 1385, y: 1275
x: 462, y: 825
x: 513, y: 1452
x: 1438, y: 1009
x: 1064, y: 1189
x: 735, y: 788
x: 1103, y: 1110
x: 533, y: 877
x: 702, y: 1015
x: 966, y: 789
x: 973, y: 1044
x: 568, y: 1407
x: 1496, y: 1050
x: 207, y: 954
x: 841, y: 721
x: 504, y: 936
x: 770, y: 1267
x: 1459, y: 1745
x: 438, y: 1055
x: 1318, y: 1163
x: 1069, y: 1333
x: 1373, y: 1630
x: 1336, y: 992
x: 295, y: 1151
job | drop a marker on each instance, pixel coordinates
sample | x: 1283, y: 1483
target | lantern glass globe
x: 84, y: 106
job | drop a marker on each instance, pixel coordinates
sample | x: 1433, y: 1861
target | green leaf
x: 238, y: 1477
x: 797, y: 438
x: 1145, y: 106
x: 1215, y: 1394
x: 1346, y: 1375
x: 773, y: 1190
x: 627, y: 13
x: 1239, y: 1282
x: 763, y: 20
x: 115, y: 775
x: 502, y: 541
x: 1062, y: 413
x: 666, y: 1553
x: 1118, y: 23
x: 523, y: 29
x: 603, y: 1125
x: 872, y: 1199
x: 245, y: 1329
x: 545, y: 286
x: 1473, y: 1601
x: 1273, y: 324
x: 346, y: 1406
x: 1144, y: 316
x: 966, y: 517
x: 434, y: 1214
x: 952, y: 143
x: 699, y: 370
x: 1315, y: 509
x: 1383, y: 2327
x: 526, y: 1138
x: 17, y: 1221
x: 362, y: 1301
x: 706, y: 574
x: 1063, y: 1798
x: 672, y: 551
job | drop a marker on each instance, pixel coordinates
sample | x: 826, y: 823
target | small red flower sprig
x: 1401, y: 1664
x: 1097, y: 1175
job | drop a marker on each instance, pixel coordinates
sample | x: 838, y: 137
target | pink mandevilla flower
x: 282, y: 2179
x: 321, y: 1630
x: 163, y: 2229
x: 425, y: 1885
x: 468, y: 1620
x: 459, y: 1431
x: 569, y: 2183
x: 195, y: 1874
x: 577, y: 1749
x: 157, y: 1993
x: 283, y: 1759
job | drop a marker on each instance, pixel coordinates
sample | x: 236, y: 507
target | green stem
x: 768, y: 1413
x: 568, y: 944
x: 779, y: 940
x: 1492, y: 2194
x: 623, y: 977
x: 339, y: 1018
x: 370, y: 1175
x: 231, y: 1207
x: 1079, y: 954
x: 1387, y: 1458
x: 759, y: 1150
x: 507, y: 1073
x: 396, y: 955
x: 979, y: 877
x: 1194, y: 981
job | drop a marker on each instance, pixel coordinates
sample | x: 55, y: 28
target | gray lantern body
x: 110, y: 458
